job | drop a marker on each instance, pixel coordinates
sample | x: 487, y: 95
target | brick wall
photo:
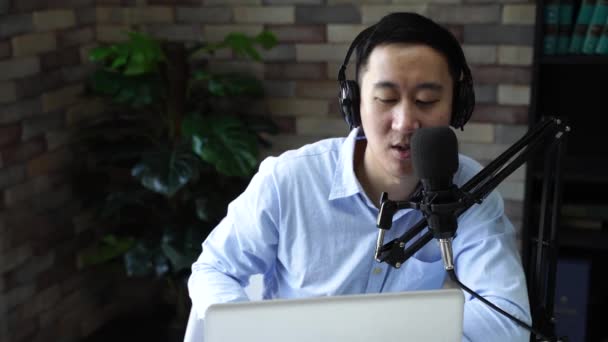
x: 43, y: 46
x: 43, y: 295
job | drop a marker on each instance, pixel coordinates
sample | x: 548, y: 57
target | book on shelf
x: 586, y: 210
x: 578, y: 223
x: 572, y: 282
x: 594, y: 29
x: 551, y: 26
x: 602, y: 45
x: 581, y: 24
x: 566, y: 14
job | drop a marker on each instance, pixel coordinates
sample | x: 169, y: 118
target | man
x: 307, y: 219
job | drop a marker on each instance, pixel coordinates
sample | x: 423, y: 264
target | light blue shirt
x: 305, y: 223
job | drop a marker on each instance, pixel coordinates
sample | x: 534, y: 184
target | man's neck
x: 398, y: 189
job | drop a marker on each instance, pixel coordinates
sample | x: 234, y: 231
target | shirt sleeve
x: 243, y: 243
x: 488, y: 262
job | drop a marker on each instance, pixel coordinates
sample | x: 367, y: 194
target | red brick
x: 343, y: 13
x: 502, y: 74
x: 10, y: 134
x: 39, y: 125
x: 300, y: 71
x: 108, y: 2
x: 62, y: 270
x: 285, y: 124
x: 9, y: 260
x: 86, y: 16
x: 76, y: 36
x: 42, y: 301
x: 5, y: 49
x: 10, y: 176
x: 53, y: 199
x: 26, y: 227
x: 334, y: 106
x: 500, y: 114
x: 15, y: 24
x: 16, y: 112
x: 21, y: 330
x: 57, y: 138
x: 73, y: 281
x: 298, y: 33
x: 175, y: 2
x: 60, y: 58
x: 19, y: 67
x: 49, y: 162
x: 513, y: 209
x: 39, y: 83
x: 15, y: 196
x: 63, y: 4
x: 29, y: 271
x: 22, y: 152
x: 30, y: 5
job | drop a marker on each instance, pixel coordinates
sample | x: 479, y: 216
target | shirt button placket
x: 376, y: 278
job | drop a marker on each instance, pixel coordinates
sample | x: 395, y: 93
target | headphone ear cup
x: 356, y: 103
x: 464, y: 104
x: 349, y: 103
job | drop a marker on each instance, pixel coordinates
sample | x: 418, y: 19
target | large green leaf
x: 266, y: 39
x: 181, y: 247
x: 110, y: 247
x: 243, y: 45
x: 165, y: 171
x: 178, y: 259
x: 117, y: 201
x: 140, y: 54
x: 230, y: 84
x: 146, y: 54
x: 136, y: 91
x: 223, y: 141
x: 145, y: 259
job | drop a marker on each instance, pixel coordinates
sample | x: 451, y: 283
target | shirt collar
x: 345, y: 182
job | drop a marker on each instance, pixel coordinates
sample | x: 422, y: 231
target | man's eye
x: 426, y: 103
x: 386, y: 100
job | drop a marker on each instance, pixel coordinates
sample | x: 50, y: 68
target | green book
x: 602, y: 45
x: 594, y: 30
x: 566, y: 18
x: 580, y: 26
x: 551, y: 24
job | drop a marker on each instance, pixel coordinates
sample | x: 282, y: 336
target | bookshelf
x: 573, y: 87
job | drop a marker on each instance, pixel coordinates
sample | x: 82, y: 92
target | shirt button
x: 377, y: 270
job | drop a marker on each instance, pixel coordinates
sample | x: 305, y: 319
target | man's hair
x: 411, y: 28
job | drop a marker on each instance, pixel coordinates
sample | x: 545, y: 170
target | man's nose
x: 404, y: 119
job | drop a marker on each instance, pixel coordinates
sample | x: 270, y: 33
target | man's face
x: 403, y: 87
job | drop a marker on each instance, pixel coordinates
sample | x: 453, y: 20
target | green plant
x: 171, y: 150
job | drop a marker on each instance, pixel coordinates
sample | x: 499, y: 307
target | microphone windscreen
x: 434, y: 153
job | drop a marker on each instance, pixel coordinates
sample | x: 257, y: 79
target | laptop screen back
x: 406, y: 316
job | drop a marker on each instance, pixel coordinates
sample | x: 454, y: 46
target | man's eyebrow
x: 386, y: 84
x: 426, y: 85
x: 430, y: 86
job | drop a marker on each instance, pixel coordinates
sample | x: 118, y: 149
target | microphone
x: 435, y: 160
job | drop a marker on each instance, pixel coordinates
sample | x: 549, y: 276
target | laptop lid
x: 405, y: 316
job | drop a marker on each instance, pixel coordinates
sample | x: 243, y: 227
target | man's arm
x: 243, y: 244
x: 488, y: 262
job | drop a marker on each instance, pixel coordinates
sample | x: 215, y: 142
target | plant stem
x: 177, y: 77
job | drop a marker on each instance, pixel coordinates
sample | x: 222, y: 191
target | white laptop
x: 406, y: 316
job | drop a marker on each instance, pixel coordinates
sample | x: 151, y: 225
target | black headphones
x: 350, y: 99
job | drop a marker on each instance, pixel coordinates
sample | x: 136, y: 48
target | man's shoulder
x: 320, y: 154
x: 467, y: 168
x: 492, y: 205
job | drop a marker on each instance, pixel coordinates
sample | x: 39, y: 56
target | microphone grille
x: 434, y: 152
